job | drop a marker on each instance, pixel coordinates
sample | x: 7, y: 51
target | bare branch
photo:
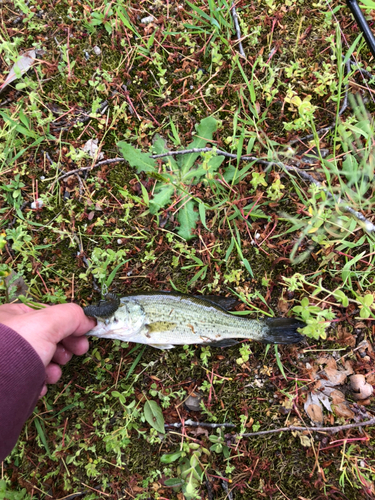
x: 99, y: 164
x: 192, y: 423
x: 336, y: 428
x: 238, y: 30
x: 369, y: 226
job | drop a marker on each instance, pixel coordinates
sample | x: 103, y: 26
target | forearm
x: 22, y: 376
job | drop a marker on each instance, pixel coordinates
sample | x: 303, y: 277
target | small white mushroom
x: 361, y: 389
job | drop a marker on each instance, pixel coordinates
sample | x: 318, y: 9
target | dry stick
x: 99, y: 164
x: 336, y: 428
x: 192, y: 423
x: 369, y: 226
x: 238, y: 31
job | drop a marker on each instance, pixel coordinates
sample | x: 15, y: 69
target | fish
x: 166, y: 319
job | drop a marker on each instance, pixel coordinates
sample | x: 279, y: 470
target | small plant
x: 219, y: 445
x: 101, y: 260
x: 178, y: 175
x: 190, y: 469
x: 245, y: 352
x: 305, y: 110
x: 13, y: 495
x: 13, y: 192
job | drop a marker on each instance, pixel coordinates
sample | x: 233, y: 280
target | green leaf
x: 346, y: 272
x: 162, y: 198
x: 341, y: 297
x: 187, y: 217
x: 201, y: 272
x: 279, y: 363
x: 154, y: 416
x: 365, y: 312
x: 121, y: 12
x: 368, y: 299
x: 202, y: 214
x: 39, y: 424
x: 168, y: 458
x: 173, y: 482
x: 205, y: 130
x: 111, y: 277
x: 141, y: 161
x: 214, y: 163
x: 229, y: 251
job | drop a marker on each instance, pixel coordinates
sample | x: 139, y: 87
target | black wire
x: 362, y: 23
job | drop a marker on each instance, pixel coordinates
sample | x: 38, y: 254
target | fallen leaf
x: 313, y: 408
x: 335, y: 377
x: 345, y: 336
x: 91, y: 147
x: 337, y: 397
x: 197, y: 431
x: 20, y: 67
x: 343, y: 410
x: 282, y: 306
x: 348, y: 367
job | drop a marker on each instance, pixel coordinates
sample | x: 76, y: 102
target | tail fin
x: 283, y: 331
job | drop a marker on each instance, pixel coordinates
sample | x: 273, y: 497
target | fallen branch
x: 369, y: 226
x: 99, y: 164
x: 192, y: 423
x: 238, y: 30
x: 336, y: 428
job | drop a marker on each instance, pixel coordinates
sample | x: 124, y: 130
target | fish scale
x: 167, y: 319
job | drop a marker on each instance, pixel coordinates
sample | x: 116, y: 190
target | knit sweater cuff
x: 22, y: 375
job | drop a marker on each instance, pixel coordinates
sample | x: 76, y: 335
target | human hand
x: 55, y: 333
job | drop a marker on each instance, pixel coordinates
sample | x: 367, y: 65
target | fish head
x: 127, y: 320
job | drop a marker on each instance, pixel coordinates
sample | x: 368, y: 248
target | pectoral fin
x: 162, y: 346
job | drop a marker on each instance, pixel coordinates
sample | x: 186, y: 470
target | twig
x: 369, y: 226
x: 74, y: 495
x: 99, y: 164
x: 97, y: 491
x: 192, y: 423
x: 238, y: 30
x: 336, y: 428
x: 228, y: 492
x: 364, y: 72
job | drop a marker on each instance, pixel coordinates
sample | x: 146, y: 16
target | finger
x: 43, y: 392
x: 65, y: 320
x: 62, y: 355
x: 76, y: 345
x: 53, y: 373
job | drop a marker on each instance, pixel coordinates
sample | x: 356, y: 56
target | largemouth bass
x: 166, y: 319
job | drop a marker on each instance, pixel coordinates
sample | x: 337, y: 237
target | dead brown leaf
x: 337, y: 397
x: 343, y: 410
x: 315, y: 412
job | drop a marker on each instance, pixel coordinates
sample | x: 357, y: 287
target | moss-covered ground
x: 162, y: 67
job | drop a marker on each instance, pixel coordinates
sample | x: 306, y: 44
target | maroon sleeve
x: 22, y: 376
